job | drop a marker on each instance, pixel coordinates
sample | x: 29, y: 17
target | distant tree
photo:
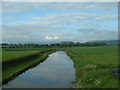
x: 4, y: 45
x: 88, y: 44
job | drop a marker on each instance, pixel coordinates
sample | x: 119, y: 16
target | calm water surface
x: 57, y: 71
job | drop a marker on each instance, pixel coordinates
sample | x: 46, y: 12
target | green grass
x: 94, y: 66
x: 22, y: 49
x: 10, y: 53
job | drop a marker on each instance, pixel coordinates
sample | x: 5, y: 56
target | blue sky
x: 56, y: 22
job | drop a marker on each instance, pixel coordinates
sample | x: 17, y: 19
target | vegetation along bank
x: 14, y: 67
x: 94, y: 66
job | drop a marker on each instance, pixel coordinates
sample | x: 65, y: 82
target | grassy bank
x: 13, y: 68
x: 94, y: 66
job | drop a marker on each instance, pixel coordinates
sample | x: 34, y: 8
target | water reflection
x: 56, y: 72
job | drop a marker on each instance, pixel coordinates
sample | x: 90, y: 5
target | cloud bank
x: 54, y: 22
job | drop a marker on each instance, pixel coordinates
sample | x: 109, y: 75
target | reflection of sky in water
x: 56, y: 71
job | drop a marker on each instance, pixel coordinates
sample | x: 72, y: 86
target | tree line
x: 61, y: 44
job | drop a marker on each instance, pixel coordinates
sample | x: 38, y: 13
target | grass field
x: 94, y: 66
x: 10, y: 53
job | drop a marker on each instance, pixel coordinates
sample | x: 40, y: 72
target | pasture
x: 94, y: 66
x: 11, y: 53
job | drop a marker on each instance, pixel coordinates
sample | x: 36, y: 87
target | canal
x: 57, y: 71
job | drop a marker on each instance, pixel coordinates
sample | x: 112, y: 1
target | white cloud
x: 107, y: 17
x: 63, y: 6
x: 43, y: 29
x: 68, y: 18
x: 61, y: 1
x: 52, y: 37
x: 92, y: 34
x: 21, y: 34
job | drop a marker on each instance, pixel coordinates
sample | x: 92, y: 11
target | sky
x: 53, y: 22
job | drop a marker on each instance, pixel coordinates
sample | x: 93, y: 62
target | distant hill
x: 109, y: 42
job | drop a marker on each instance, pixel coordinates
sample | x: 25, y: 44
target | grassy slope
x: 94, y: 66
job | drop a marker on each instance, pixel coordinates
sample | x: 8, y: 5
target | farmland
x: 60, y: 44
x: 10, y: 53
x: 94, y: 66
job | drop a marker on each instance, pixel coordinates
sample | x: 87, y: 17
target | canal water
x: 57, y: 71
